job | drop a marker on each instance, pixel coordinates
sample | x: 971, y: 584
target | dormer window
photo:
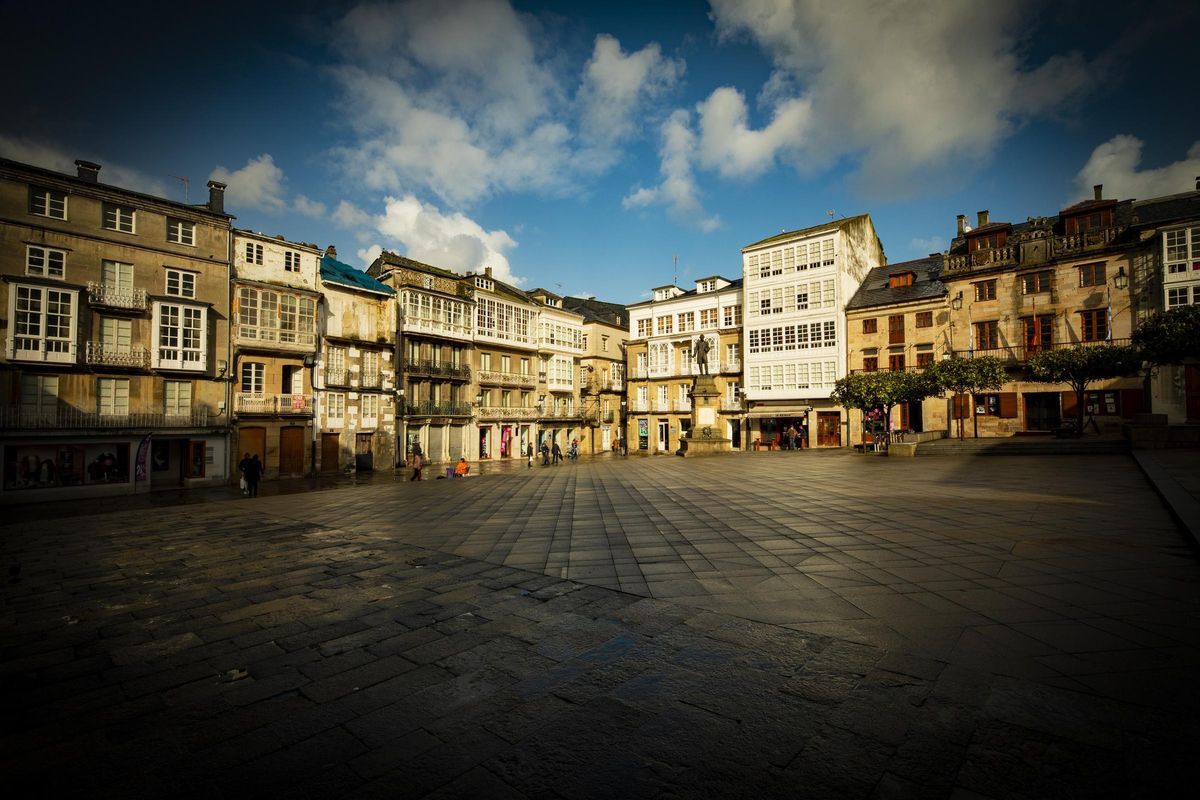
x: 1094, y: 221
x: 901, y: 279
x: 706, y: 286
x: 484, y: 283
x: 989, y: 241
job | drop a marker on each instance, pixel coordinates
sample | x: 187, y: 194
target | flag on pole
x: 1108, y: 337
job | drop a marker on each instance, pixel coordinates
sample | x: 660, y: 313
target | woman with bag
x: 417, y: 462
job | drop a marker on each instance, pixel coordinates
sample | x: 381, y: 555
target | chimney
x: 331, y: 251
x: 1198, y: 183
x: 962, y: 224
x: 88, y: 170
x: 216, y: 197
x: 1099, y: 190
x: 487, y: 271
x: 982, y: 218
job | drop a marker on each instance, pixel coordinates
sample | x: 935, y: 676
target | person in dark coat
x: 545, y: 454
x: 557, y: 453
x: 254, y: 471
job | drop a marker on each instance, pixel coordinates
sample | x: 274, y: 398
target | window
x: 291, y: 261
x: 177, y: 398
x: 987, y: 335
x: 643, y: 328
x: 180, y: 231
x: 664, y: 325
x: 47, y: 203
x: 116, y: 335
x: 1089, y: 222
x: 44, y: 262
x: 687, y: 321
x: 1035, y: 282
x: 901, y: 279
x: 896, y: 362
x: 43, y: 324
x: 924, y: 319
x: 1037, y: 332
x: 732, y: 316
x: 39, y: 397
x: 116, y: 276
x: 180, y: 336
x: 707, y: 286
x: 1093, y: 325
x: 254, y: 253
x: 896, y: 329
x: 368, y: 410
x: 119, y: 218
x: 484, y: 284
x: 989, y: 241
x: 485, y: 361
x: 870, y: 325
x: 985, y: 290
x: 604, y: 343
x: 1183, y: 250
x: 1091, y: 274
x: 1179, y: 296
x: 870, y: 363
x: 253, y: 377
x: 180, y: 283
x: 272, y: 316
x: 708, y: 318
x: 924, y: 359
x: 112, y: 395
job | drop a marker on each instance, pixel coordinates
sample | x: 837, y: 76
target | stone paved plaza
x: 759, y: 625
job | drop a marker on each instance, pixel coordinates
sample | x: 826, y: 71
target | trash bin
x: 449, y: 472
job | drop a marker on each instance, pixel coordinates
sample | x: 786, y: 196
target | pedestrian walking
x: 545, y: 454
x: 791, y: 435
x: 418, y: 461
x: 529, y: 455
x: 557, y: 451
x: 254, y: 471
x: 245, y: 462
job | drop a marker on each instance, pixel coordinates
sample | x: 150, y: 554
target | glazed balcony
x: 128, y: 298
x: 274, y: 337
x: 248, y: 403
x: 109, y: 355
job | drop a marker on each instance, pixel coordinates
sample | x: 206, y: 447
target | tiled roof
x: 823, y: 228
x: 598, y: 311
x: 1165, y: 210
x: 876, y: 291
x: 390, y: 259
x: 334, y: 271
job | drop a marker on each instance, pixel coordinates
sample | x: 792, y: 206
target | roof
x: 1165, y: 210
x: 875, y: 290
x: 734, y: 284
x: 598, y: 311
x: 823, y: 228
x: 389, y: 259
x: 991, y: 226
x: 334, y: 271
x: 1087, y: 205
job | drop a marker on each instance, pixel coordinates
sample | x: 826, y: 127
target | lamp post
x: 479, y: 422
x: 1121, y: 280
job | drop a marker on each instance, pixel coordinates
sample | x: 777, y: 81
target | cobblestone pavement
x: 771, y: 625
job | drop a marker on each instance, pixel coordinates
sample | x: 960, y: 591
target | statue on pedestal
x: 700, y: 353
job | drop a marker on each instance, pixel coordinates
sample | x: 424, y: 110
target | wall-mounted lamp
x: 956, y: 303
x: 310, y: 361
x: 222, y: 367
x: 1121, y: 280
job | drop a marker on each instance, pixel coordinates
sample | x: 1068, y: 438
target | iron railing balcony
x: 273, y: 404
x: 508, y: 412
x: 437, y: 409
x: 100, y: 294
x: 337, y: 377
x: 68, y: 419
x: 1021, y: 353
x: 370, y: 380
x: 436, y: 369
x: 111, y: 355
x: 494, y: 378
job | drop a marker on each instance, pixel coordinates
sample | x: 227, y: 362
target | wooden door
x: 254, y: 442
x: 331, y: 452
x: 291, y: 450
x: 829, y: 429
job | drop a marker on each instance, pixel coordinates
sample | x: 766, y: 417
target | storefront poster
x: 52, y: 466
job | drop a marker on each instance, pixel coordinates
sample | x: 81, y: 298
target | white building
x: 560, y: 347
x: 795, y: 288
x: 506, y: 352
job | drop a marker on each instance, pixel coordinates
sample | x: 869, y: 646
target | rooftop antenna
x: 830, y: 213
x: 185, y: 181
x: 675, y: 270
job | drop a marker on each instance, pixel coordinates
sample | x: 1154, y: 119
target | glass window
x: 119, y: 218
x: 45, y: 262
x: 177, y: 398
x: 253, y: 377
x: 47, y: 203
x: 181, y: 231
x: 112, y: 396
x: 181, y: 283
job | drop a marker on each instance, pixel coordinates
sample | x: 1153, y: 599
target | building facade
x: 899, y: 319
x: 506, y: 359
x: 663, y: 334
x: 560, y: 348
x: 795, y: 287
x: 601, y: 371
x: 356, y: 371
x: 115, y: 336
x: 275, y: 312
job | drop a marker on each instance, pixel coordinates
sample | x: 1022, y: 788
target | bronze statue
x: 700, y: 354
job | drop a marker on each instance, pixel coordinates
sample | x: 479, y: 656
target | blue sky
x: 583, y: 148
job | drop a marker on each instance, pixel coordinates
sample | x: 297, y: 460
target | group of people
x: 553, y: 451
x: 252, y: 469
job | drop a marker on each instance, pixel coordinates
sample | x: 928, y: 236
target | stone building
x: 275, y: 298
x: 796, y: 287
x: 899, y: 319
x: 115, y: 334
x: 356, y: 369
x: 601, y: 371
x: 663, y: 333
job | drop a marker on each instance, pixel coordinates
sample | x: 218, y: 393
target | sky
x: 604, y: 149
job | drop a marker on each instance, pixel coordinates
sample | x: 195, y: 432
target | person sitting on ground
x: 461, y: 468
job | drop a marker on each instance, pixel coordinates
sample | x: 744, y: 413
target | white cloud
x: 729, y: 146
x: 258, y: 185
x: 905, y: 88
x: 307, y: 207
x: 367, y: 255
x: 49, y: 156
x: 934, y: 244
x: 678, y: 189
x: 349, y: 215
x: 617, y: 85
x: 1115, y: 164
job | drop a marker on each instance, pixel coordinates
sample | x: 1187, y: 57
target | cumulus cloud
x: 1115, y: 164
x: 905, y: 88
x: 258, y: 185
x: 307, y: 207
x: 349, y: 215
x: 50, y: 156
x: 678, y: 190
x: 729, y: 146
x: 367, y: 255
x: 934, y: 244
x: 452, y: 241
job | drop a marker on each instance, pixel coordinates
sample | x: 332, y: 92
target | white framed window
x: 112, y: 397
x: 485, y: 362
x: 120, y: 218
x: 43, y: 324
x: 116, y: 276
x: 254, y: 253
x: 179, y: 336
x: 47, y: 203
x: 682, y: 393
x: 181, y: 283
x: 39, y: 397
x: 116, y: 335
x: 335, y: 409
x: 253, y: 377
x: 664, y: 325
x: 731, y: 316
x: 180, y: 231
x: 45, y: 262
x: 291, y: 261
x: 643, y: 328
x: 177, y: 398
x: 368, y: 410
x: 1182, y: 250
x: 708, y: 318
x: 662, y: 396
x: 1178, y: 296
x: 687, y: 321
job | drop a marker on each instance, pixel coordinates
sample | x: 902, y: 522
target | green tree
x: 1083, y: 365
x: 884, y: 390
x: 1170, y: 337
x: 966, y: 375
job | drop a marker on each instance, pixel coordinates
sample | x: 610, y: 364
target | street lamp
x: 1121, y: 280
x: 624, y: 425
x: 401, y: 410
x: 957, y: 302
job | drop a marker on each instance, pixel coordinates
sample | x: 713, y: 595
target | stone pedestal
x: 704, y: 439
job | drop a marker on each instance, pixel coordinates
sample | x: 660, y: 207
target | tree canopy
x: 1170, y: 337
x: 1082, y: 365
x: 966, y: 375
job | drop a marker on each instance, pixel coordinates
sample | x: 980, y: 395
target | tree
x: 966, y: 375
x: 867, y: 391
x: 1170, y: 337
x: 1082, y: 365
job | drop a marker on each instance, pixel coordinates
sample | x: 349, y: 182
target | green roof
x: 334, y: 271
